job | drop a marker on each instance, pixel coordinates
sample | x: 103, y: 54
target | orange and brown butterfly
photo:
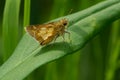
x: 45, y: 33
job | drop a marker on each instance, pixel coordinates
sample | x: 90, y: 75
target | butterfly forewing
x: 47, y: 32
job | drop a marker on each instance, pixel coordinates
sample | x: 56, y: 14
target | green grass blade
x: 26, y: 12
x: 10, y: 26
x: 29, y: 55
x: 113, y: 63
x: 113, y: 52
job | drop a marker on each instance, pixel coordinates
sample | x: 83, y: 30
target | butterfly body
x: 46, y: 33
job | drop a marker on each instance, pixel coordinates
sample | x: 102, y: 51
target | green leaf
x: 84, y: 25
x: 10, y: 26
x: 26, y: 12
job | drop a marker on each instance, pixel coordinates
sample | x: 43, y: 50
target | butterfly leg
x: 63, y: 36
x: 55, y: 38
x: 68, y: 33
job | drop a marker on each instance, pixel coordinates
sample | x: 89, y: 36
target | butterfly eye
x: 64, y: 24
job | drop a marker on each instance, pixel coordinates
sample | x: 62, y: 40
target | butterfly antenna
x: 71, y: 10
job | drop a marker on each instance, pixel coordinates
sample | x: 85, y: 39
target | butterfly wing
x: 42, y: 33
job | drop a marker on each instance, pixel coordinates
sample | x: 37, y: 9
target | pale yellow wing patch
x: 45, y: 32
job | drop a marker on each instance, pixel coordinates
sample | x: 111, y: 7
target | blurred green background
x: 98, y: 60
